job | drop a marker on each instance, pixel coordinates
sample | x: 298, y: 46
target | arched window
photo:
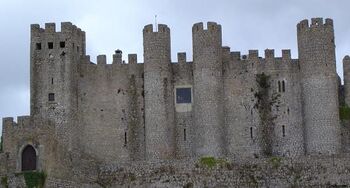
x: 283, y: 86
x: 28, y: 158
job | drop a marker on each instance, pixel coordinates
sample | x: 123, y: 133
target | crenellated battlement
x: 181, y: 57
x: 66, y: 27
x: 101, y: 59
x: 132, y: 58
x: 254, y: 55
x: 211, y: 27
x: 161, y: 28
x: 22, y: 121
x: 315, y: 23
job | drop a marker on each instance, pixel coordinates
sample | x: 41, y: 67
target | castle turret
x: 319, y: 86
x: 54, y: 83
x: 159, y: 104
x: 208, y: 89
x: 346, y: 71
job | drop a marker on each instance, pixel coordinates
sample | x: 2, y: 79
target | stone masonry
x: 224, y: 104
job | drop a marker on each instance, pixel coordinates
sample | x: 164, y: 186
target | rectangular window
x: 38, y: 46
x: 50, y: 45
x: 62, y: 44
x: 183, y: 95
x: 51, y: 97
x: 283, y: 131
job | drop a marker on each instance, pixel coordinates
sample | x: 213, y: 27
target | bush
x: 4, y: 182
x: 34, y: 179
x: 344, y: 113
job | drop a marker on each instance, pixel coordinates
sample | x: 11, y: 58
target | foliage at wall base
x: 4, y: 182
x: 344, y: 112
x: 34, y: 179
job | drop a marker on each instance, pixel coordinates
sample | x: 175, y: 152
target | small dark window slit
x: 62, y: 44
x: 283, y: 131
x: 125, y: 139
x: 50, y: 45
x: 51, y: 81
x: 279, y: 86
x: 38, y: 46
x: 251, y: 132
x: 283, y: 86
x: 184, y: 134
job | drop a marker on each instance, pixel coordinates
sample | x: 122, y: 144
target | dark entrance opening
x: 28, y: 158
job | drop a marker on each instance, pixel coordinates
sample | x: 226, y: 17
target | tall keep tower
x: 55, y: 57
x: 319, y: 86
x: 208, y: 89
x: 159, y: 104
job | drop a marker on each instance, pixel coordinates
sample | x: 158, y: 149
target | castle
x: 223, y: 104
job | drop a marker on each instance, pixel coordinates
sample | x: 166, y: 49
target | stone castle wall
x: 86, y: 115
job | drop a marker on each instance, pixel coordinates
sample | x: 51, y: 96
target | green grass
x: 211, y: 162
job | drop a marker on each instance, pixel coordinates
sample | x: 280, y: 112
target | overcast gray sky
x: 112, y: 24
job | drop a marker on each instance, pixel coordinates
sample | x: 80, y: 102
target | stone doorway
x: 28, y: 158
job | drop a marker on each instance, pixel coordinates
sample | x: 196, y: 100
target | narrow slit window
x: 283, y: 86
x: 62, y: 44
x: 51, y: 97
x: 184, y: 134
x: 50, y: 45
x: 125, y: 139
x: 51, y: 81
x: 251, y: 132
x: 38, y: 46
x: 283, y: 131
x: 279, y: 86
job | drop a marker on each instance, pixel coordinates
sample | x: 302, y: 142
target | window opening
x: 183, y: 95
x: 51, y: 97
x: 38, y: 46
x: 50, y: 45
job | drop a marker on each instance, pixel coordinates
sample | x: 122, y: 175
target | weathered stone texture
x: 319, y: 86
x: 122, y: 123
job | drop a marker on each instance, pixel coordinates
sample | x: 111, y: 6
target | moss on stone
x: 264, y: 105
x: 275, y: 162
x: 211, y: 162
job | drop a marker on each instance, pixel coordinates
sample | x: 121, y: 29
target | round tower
x: 208, y: 89
x: 319, y: 86
x: 159, y: 104
x: 346, y: 72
